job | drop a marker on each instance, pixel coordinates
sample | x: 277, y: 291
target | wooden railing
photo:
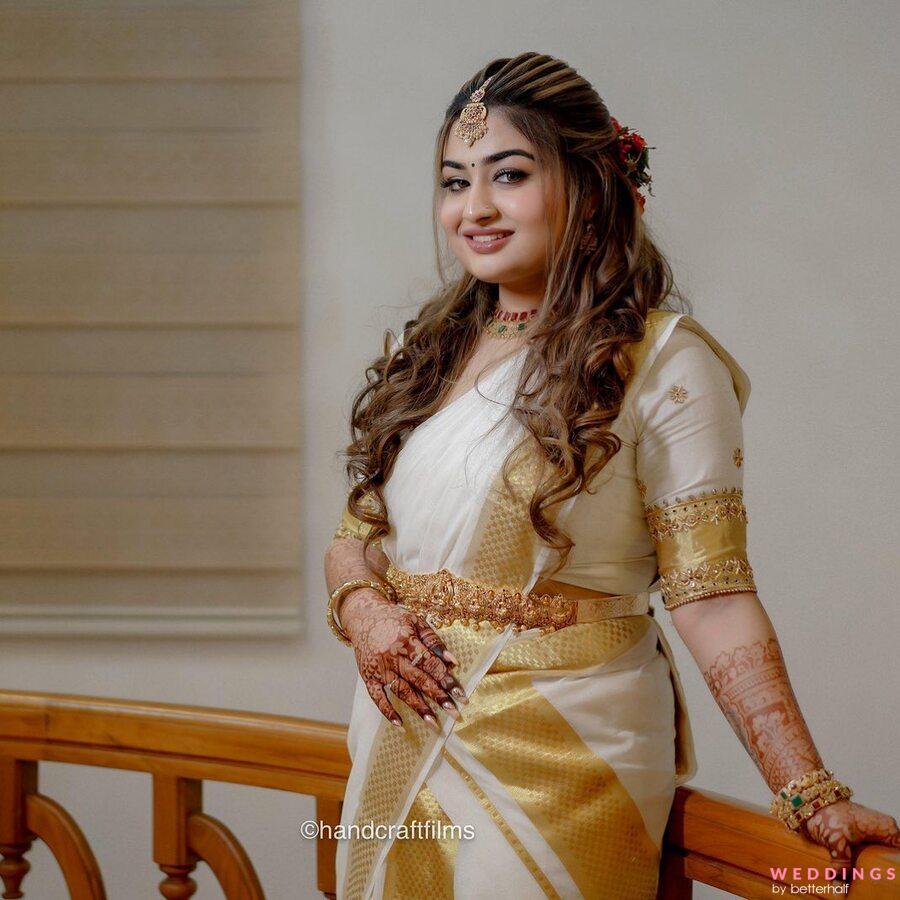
x: 711, y: 838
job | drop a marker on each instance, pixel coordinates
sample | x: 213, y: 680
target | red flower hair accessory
x: 634, y: 156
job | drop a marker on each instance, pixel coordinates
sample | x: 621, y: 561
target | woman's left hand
x: 840, y: 825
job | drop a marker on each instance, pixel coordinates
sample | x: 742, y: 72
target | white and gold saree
x: 564, y: 762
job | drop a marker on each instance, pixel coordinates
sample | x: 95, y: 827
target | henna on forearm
x: 751, y: 686
x: 736, y: 649
x: 344, y: 561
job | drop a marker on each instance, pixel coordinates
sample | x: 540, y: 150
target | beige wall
x: 773, y: 175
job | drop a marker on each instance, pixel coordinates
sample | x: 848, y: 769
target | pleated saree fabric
x: 560, y: 773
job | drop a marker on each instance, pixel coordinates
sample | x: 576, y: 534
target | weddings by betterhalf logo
x: 790, y: 881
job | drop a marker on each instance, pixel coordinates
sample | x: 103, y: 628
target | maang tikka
x: 471, y: 125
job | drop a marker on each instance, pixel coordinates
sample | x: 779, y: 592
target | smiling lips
x: 488, y: 241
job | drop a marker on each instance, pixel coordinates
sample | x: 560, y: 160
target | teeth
x: 486, y: 238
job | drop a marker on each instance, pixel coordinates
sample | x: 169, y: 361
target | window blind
x: 149, y: 314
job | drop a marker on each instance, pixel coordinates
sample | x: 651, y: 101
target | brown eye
x: 516, y: 174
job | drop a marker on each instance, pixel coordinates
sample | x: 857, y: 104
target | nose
x: 479, y: 205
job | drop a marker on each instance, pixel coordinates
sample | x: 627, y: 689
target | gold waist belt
x: 443, y: 598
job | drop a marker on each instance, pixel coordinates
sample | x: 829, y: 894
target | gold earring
x: 470, y: 126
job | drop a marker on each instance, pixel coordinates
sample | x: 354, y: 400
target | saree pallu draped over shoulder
x: 559, y: 775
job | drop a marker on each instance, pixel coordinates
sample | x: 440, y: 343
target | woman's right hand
x: 386, y: 638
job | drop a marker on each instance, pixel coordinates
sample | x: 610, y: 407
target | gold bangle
x: 336, y: 629
x: 331, y: 616
x: 802, y: 797
x: 807, y: 780
x: 799, y: 799
x: 831, y: 794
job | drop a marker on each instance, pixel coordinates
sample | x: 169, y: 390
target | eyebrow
x: 488, y: 160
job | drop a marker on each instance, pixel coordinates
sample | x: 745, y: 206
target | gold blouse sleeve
x: 689, y: 459
x: 350, y: 526
x: 701, y: 546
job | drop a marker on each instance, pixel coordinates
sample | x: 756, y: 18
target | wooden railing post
x: 18, y: 779
x: 328, y: 811
x: 174, y: 800
x: 674, y: 883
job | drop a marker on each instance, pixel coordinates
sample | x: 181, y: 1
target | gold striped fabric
x: 422, y: 866
x: 504, y: 555
x: 571, y: 795
x: 395, y: 765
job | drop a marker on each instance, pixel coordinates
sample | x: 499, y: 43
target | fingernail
x: 432, y: 721
x: 458, y: 692
x: 834, y: 852
x: 451, y: 657
x: 450, y: 706
x: 397, y: 722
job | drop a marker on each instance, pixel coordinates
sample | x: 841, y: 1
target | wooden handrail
x: 710, y: 838
x: 259, y: 749
x: 180, y: 747
x: 735, y: 846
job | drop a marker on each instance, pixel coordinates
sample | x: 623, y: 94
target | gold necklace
x: 506, y: 325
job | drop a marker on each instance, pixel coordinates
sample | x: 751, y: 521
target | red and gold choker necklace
x: 506, y: 324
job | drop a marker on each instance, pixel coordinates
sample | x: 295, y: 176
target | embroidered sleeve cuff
x: 701, y: 546
x: 344, y: 531
x: 350, y: 526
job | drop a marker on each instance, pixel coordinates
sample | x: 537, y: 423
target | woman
x: 546, y: 445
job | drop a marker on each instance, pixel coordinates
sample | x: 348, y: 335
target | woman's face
x: 494, y: 206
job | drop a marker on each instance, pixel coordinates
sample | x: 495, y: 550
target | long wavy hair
x: 595, y: 304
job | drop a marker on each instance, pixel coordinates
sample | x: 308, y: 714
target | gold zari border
x: 666, y: 519
x: 721, y: 576
x: 343, y: 531
x: 350, y: 526
x: 527, y: 859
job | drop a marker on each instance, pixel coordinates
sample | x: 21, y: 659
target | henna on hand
x: 386, y: 637
x: 751, y: 686
x: 841, y: 824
